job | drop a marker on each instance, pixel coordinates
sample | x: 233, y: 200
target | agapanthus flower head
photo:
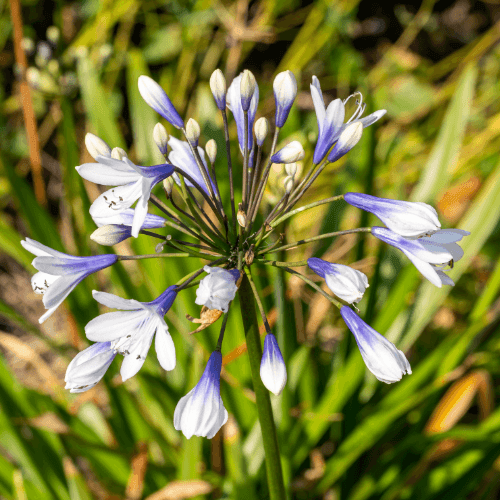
x: 217, y: 289
x: 430, y: 255
x: 405, y: 218
x: 272, y: 366
x: 89, y: 366
x: 60, y: 273
x: 201, y: 411
x: 131, y: 329
x: 156, y: 97
x: 345, y: 282
x: 134, y: 184
x: 381, y: 357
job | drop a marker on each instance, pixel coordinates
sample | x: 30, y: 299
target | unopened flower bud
x: 289, y: 154
x: 111, y: 234
x: 159, y: 247
x: 118, y: 154
x: 288, y: 184
x: 272, y: 366
x: 33, y: 77
x: 241, y: 217
x: 168, y: 185
x: 347, y: 140
x: 218, y: 87
x: 261, y: 130
x: 160, y: 137
x: 193, y: 132
x: 44, y: 51
x: 211, y: 149
x: 96, y: 146
x: 156, y: 97
x: 285, y: 91
x: 53, y: 67
x: 247, y: 88
x: 28, y: 45
x: 291, y: 169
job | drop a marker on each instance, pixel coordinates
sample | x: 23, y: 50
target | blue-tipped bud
x: 347, y: 140
x: 272, y: 366
x: 218, y: 88
x: 247, y: 88
x: 160, y: 137
x: 381, y: 357
x: 291, y: 153
x: 156, y: 97
x: 285, y: 91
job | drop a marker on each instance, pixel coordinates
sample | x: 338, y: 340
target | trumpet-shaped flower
x: 381, y: 357
x: 272, y: 366
x: 428, y: 254
x: 131, y: 329
x: 156, y: 98
x: 60, y: 273
x: 285, y: 91
x: 181, y: 156
x: 349, y: 137
x: 331, y: 120
x: 201, y: 411
x: 233, y: 99
x: 134, y: 183
x: 405, y: 218
x: 89, y: 366
x: 217, y: 289
x: 346, y: 283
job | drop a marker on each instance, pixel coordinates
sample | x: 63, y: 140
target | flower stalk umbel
x: 233, y: 235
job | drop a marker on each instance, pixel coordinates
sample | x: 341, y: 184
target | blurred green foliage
x: 343, y: 435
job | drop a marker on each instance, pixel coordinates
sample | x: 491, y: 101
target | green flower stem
x: 189, y: 250
x: 206, y: 256
x: 305, y: 207
x: 277, y: 263
x: 322, y: 237
x: 264, y: 409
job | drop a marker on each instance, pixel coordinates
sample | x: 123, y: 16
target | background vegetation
x: 343, y: 435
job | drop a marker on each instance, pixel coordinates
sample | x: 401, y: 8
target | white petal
x: 40, y: 250
x: 115, y: 325
x: 427, y: 270
x: 165, y: 348
x: 115, y: 200
x: 319, y: 104
x: 108, y: 172
x: 141, y: 210
x: 60, y: 289
x: 115, y: 302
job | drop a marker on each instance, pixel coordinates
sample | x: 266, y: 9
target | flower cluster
x: 233, y: 235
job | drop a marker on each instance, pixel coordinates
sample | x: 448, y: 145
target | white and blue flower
x: 182, y: 157
x: 60, y: 273
x: 157, y: 99
x: 134, y: 184
x: 405, y: 218
x: 233, y: 99
x: 217, y: 289
x: 331, y: 120
x: 201, y: 411
x: 346, y: 283
x: 285, y: 91
x: 272, y: 366
x: 89, y: 366
x: 381, y: 357
x: 430, y: 254
x: 131, y: 329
